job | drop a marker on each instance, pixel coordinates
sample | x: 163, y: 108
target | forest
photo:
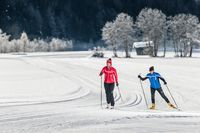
x: 79, y: 20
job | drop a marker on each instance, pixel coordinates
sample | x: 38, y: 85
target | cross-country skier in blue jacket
x: 154, y: 78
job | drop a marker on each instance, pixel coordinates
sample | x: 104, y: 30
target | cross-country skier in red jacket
x: 110, y: 78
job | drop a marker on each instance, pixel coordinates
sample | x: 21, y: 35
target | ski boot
x: 153, y: 106
x: 172, y: 106
x: 112, y: 107
x: 108, y: 106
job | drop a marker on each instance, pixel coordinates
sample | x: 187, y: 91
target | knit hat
x: 109, y: 61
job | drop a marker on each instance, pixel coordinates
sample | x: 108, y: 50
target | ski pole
x: 143, y: 93
x: 120, y: 93
x: 101, y: 94
x: 172, y: 96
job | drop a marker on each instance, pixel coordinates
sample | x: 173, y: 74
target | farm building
x: 143, y: 48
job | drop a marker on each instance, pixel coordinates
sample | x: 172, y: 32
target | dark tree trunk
x: 126, y: 48
x: 164, y: 52
x: 115, y: 52
x: 191, y: 49
x: 175, y: 49
x: 155, y: 54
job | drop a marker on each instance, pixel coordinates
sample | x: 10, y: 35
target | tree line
x: 76, y: 19
x: 24, y: 44
x: 181, y: 30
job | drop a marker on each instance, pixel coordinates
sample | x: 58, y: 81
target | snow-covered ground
x: 60, y: 92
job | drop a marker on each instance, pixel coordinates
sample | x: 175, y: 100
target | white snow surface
x: 60, y: 92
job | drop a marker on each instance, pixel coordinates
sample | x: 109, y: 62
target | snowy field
x: 60, y: 93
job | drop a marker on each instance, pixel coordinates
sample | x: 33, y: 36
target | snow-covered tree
x: 18, y: 47
x: 119, y: 33
x: 24, y: 41
x: 195, y: 38
x: 59, y: 45
x: 109, y: 36
x: 183, y: 30
x: 123, y: 26
x: 193, y: 31
x: 152, y: 23
x: 23, y: 44
x: 41, y: 45
x: 4, y: 42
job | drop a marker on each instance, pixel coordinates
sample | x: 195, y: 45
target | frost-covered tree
x: 4, y: 42
x: 178, y: 33
x: 119, y: 33
x: 41, y: 45
x: 23, y: 44
x: 16, y: 47
x: 183, y: 30
x: 152, y: 23
x: 24, y: 41
x: 59, y: 45
x: 123, y: 26
x: 195, y: 38
x: 109, y: 36
x: 193, y: 31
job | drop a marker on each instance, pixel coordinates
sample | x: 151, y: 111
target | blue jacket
x: 154, y: 80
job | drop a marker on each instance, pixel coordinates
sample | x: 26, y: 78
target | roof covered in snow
x: 142, y: 44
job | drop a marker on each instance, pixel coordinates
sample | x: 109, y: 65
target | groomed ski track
x: 60, y: 92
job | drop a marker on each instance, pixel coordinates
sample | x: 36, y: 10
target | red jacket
x: 110, y: 75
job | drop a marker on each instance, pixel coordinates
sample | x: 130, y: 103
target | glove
x: 139, y: 77
x: 101, y: 74
x: 117, y: 84
x: 165, y: 83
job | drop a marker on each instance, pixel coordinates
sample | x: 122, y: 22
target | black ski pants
x: 109, y: 88
x: 160, y: 91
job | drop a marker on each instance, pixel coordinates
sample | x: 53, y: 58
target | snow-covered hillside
x: 60, y: 92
